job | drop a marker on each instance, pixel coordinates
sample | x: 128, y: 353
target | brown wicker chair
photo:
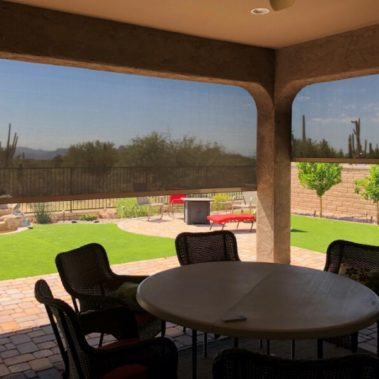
x: 126, y: 358
x: 356, y: 261
x: 244, y: 364
x: 205, y: 247
x: 87, y: 276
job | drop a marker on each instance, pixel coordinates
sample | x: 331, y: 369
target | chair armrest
x: 98, y: 302
x: 159, y: 355
x: 119, y: 322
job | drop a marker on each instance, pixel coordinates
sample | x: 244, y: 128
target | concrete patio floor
x: 27, y: 346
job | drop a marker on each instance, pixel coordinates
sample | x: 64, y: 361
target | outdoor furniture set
x: 173, y: 202
x: 223, y: 296
x: 309, y: 304
x: 197, y: 210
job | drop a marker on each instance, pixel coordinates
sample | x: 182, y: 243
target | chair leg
x: 354, y: 342
x: 101, y: 339
x: 194, y: 354
x: 293, y: 349
x: 163, y: 328
x: 320, y: 349
x: 205, y: 346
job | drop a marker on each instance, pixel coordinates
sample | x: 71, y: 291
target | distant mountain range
x: 39, y: 153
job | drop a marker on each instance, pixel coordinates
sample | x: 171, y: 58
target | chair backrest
x: 249, y: 197
x: 143, y: 200
x: 243, y: 364
x: 176, y: 199
x: 65, y: 325
x: 356, y: 260
x: 84, y: 270
x: 206, y: 247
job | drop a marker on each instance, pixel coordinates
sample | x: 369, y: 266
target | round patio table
x: 259, y: 300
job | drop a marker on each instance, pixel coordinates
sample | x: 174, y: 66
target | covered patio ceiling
x: 230, y: 20
x: 272, y: 56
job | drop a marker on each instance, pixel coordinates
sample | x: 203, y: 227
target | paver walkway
x: 27, y: 345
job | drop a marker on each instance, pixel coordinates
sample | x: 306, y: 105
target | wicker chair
x: 87, y: 276
x: 356, y: 261
x: 244, y: 364
x: 206, y: 247
x: 125, y: 358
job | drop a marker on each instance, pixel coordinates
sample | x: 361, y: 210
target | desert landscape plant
x: 368, y: 188
x: 320, y: 177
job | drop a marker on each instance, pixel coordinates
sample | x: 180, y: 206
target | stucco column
x: 274, y: 185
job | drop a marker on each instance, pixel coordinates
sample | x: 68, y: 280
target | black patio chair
x: 87, y: 276
x: 128, y: 357
x: 205, y: 247
x: 244, y: 364
x: 359, y: 262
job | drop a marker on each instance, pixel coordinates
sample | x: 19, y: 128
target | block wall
x: 340, y: 201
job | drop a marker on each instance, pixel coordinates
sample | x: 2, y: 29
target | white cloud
x: 302, y: 98
x: 375, y: 118
x: 371, y: 107
x: 332, y: 120
x: 349, y: 107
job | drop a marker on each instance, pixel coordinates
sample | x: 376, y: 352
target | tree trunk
x: 320, y: 197
x: 377, y: 212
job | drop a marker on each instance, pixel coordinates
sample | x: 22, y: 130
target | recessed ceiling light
x: 259, y: 11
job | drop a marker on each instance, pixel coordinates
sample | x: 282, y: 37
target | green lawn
x: 33, y: 252
x: 315, y: 233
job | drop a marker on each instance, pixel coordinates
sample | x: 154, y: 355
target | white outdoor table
x: 278, y: 301
x: 196, y: 210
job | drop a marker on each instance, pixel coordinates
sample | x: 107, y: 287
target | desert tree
x: 368, y: 188
x: 320, y: 177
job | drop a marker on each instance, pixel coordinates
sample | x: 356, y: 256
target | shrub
x: 218, y: 203
x: 128, y: 208
x: 368, y: 188
x: 87, y: 217
x: 41, y: 212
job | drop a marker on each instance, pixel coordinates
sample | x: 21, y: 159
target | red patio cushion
x: 222, y: 218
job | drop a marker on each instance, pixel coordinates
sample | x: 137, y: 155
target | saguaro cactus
x: 7, y: 153
x: 354, y: 141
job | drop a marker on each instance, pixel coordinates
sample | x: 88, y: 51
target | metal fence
x: 66, y: 183
x: 98, y: 204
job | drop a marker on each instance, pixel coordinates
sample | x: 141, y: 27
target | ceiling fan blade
x: 278, y: 5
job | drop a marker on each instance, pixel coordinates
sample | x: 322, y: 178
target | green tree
x: 99, y: 157
x: 368, y: 188
x: 320, y: 177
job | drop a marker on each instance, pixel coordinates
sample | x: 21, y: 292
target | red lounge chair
x: 222, y: 219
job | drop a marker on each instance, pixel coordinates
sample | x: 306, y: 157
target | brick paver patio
x: 27, y: 346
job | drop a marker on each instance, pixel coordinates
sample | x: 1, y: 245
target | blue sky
x: 330, y: 107
x: 53, y: 106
